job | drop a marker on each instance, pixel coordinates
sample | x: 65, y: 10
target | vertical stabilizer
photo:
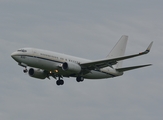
x: 119, y: 50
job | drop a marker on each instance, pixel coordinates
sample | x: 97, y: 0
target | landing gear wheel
x: 25, y: 70
x: 59, y: 82
x: 80, y: 79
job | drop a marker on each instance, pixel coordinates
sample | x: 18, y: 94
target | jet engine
x: 72, y: 67
x: 37, y: 73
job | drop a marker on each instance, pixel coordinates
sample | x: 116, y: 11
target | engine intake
x: 71, y: 67
x: 36, y: 73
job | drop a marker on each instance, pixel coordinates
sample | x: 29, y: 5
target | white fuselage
x: 52, y: 61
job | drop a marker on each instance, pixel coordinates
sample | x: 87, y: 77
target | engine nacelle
x: 71, y: 67
x: 36, y: 73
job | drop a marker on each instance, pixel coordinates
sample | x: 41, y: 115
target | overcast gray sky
x: 88, y: 29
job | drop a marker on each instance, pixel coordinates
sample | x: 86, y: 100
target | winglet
x: 148, y: 49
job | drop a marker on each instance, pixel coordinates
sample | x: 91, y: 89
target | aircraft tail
x: 119, y: 50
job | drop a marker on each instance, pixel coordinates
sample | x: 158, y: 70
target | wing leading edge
x: 109, y: 62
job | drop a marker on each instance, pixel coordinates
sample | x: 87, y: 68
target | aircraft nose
x: 13, y: 55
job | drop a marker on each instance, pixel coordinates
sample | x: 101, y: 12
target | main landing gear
x: 79, y: 79
x: 59, y: 81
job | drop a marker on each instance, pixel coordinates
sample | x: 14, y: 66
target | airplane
x: 45, y: 64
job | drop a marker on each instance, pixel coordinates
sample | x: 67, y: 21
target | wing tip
x: 150, y: 46
x: 148, y: 49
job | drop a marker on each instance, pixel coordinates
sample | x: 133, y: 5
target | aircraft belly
x: 41, y: 63
x: 30, y: 61
x: 97, y: 75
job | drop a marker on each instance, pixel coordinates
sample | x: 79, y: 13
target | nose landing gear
x: 25, y: 70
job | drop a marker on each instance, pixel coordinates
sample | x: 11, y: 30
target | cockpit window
x: 22, y: 50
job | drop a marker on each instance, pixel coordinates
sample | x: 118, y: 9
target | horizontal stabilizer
x: 132, y: 68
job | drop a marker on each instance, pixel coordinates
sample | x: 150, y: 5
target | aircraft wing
x: 111, y: 61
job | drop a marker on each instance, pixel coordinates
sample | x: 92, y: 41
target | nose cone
x: 14, y: 55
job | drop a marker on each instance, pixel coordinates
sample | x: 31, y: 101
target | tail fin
x: 119, y: 50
